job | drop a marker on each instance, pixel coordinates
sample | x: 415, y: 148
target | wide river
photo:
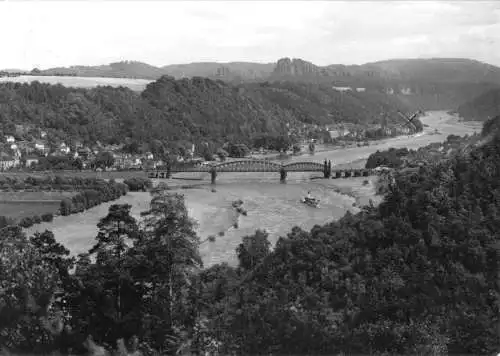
x: 270, y: 205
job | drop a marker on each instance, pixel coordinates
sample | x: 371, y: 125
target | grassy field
x: 19, y: 210
x: 17, y: 205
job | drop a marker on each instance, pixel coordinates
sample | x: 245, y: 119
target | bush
x: 47, y: 217
x: 66, y: 207
x: 137, y: 184
x: 26, y: 222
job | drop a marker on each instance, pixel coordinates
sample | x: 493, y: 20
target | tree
x: 222, y: 153
x: 28, y: 282
x: 104, y: 160
x: 108, y: 298
x: 253, y: 249
x: 167, y: 253
x: 238, y: 150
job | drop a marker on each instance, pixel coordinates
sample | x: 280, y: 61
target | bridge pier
x: 282, y: 175
x: 213, y: 174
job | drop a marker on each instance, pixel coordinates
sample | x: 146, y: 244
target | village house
x: 25, y: 147
x: 84, y: 152
x: 360, y: 90
x: 31, y: 161
x: 76, y: 144
x: 40, y: 146
x: 342, y: 89
x: 7, y: 161
x: 64, y: 148
x: 10, y: 139
x: 43, y: 134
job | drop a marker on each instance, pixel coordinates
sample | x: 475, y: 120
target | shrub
x: 47, y: 217
x: 66, y: 207
x: 136, y: 184
x: 26, y: 222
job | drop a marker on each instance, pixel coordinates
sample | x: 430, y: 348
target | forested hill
x: 321, y: 104
x: 179, y: 112
x: 430, y: 84
x: 481, y: 108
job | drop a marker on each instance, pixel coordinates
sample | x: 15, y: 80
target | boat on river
x: 313, y: 202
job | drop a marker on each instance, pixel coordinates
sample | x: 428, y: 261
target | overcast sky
x: 48, y: 34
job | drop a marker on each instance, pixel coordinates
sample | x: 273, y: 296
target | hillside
x: 482, y: 107
x: 417, y: 78
x: 127, y: 69
x: 320, y: 104
x: 180, y: 112
x: 233, y: 71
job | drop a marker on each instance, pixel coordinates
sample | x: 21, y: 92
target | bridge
x: 256, y: 165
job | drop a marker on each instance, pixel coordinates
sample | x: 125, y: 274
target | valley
x: 270, y: 205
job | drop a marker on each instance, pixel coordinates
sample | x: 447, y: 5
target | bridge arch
x: 250, y: 165
x: 304, y: 167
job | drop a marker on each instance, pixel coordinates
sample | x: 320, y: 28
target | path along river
x: 270, y: 205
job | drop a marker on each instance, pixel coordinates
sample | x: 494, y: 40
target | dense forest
x: 416, y: 275
x: 321, y: 104
x: 181, y: 112
x: 483, y: 107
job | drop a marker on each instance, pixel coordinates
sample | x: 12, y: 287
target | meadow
x: 17, y: 205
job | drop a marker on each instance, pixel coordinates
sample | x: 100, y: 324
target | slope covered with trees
x: 321, y: 104
x: 482, y: 107
x: 173, y: 114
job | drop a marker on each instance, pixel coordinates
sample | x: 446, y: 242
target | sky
x: 46, y: 34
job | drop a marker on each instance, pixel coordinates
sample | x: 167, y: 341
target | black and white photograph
x: 258, y: 177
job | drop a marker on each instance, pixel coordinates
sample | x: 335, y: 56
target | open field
x: 81, y: 82
x: 18, y: 210
x: 34, y: 196
x: 17, y: 205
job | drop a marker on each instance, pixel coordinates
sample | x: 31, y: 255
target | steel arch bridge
x: 256, y: 165
x: 249, y: 165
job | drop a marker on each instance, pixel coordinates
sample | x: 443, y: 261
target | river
x: 270, y: 205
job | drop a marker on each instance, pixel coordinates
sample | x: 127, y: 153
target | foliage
x: 137, y: 184
x: 104, y: 160
x: 238, y: 150
x: 253, y: 250
x: 390, y: 158
x: 170, y: 115
x: 91, y: 196
x: 483, y: 107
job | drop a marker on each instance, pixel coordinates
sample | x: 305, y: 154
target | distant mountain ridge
x: 431, y: 84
